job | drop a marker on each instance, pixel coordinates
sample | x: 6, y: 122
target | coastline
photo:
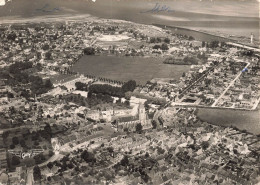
x: 216, y: 37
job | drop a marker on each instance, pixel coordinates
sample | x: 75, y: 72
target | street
x: 231, y: 83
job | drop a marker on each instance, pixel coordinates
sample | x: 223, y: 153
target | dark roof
x: 127, y: 119
x: 2, y: 83
x: 164, y: 178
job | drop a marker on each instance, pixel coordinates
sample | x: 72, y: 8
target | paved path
x: 231, y: 83
x: 55, y: 157
x: 30, y: 180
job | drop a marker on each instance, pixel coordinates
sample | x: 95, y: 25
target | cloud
x: 2, y: 2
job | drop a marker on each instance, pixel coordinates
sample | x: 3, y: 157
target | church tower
x: 142, y: 114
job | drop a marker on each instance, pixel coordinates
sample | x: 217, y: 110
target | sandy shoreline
x: 46, y: 18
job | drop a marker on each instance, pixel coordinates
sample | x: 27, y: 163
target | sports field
x: 139, y: 69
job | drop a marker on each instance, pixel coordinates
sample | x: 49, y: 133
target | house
x: 3, y: 159
x: 94, y: 115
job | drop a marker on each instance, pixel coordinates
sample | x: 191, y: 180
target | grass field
x: 244, y: 120
x: 139, y: 69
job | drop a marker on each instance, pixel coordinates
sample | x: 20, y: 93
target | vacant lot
x: 244, y: 120
x: 126, y: 68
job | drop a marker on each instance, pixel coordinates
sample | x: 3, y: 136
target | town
x: 60, y: 125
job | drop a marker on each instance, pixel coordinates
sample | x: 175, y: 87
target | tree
x: 110, y: 149
x: 37, y: 173
x: 45, y: 47
x: 15, y: 140
x: 22, y: 143
x: 11, y: 36
x: 164, y: 47
x: 48, y: 55
x: 129, y: 86
x: 152, y: 40
x: 156, y: 46
x: 37, y: 159
x: 88, y: 156
x: 39, y: 66
x: 204, y: 145
x: 154, y: 124
x: 160, y: 151
x: 5, y: 134
x: 214, y: 44
x: 29, y: 162
x: 190, y: 60
x: 10, y: 95
x: 81, y: 86
x: 139, y: 128
x: 51, y: 153
x: 167, y: 40
x: 17, y: 67
x: 25, y: 93
x: 203, y: 44
x: 145, y: 177
x: 89, y: 51
x: 15, y: 160
x: 124, y: 161
x: 50, y: 165
x: 48, y: 84
x: 47, y: 131
x: 191, y: 38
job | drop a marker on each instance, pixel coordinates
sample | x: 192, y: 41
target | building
x: 130, y: 122
x: 3, y: 159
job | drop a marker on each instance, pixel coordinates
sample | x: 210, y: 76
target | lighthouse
x: 251, y: 38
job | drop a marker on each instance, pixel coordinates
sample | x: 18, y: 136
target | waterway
x: 244, y: 120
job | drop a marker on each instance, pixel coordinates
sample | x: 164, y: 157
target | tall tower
x: 142, y: 114
x: 252, y: 38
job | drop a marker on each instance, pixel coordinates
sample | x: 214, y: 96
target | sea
x: 229, y: 17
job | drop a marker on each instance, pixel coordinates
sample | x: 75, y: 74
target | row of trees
x: 163, y: 47
x: 18, y: 76
x: 91, y: 101
x: 185, y: 37
x: 81, y: 86
x: 187, y: 60
x: 212, y: 44
x: 17, y: 67
x: 158, y: 40
x: 106, y: 89
x: 89, y: 51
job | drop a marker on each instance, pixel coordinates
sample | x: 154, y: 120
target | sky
x: 244, y: 8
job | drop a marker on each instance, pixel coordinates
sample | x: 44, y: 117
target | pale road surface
x: 53, y: 158
x: 231, y: 83
x: 30, y: 180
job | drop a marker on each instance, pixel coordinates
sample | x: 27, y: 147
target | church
x: 130, y: 122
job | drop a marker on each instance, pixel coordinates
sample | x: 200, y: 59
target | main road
x: 30, y: 180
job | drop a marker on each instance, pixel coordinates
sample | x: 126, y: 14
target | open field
x: 125, y: 68
x: 244, y: 120
x: 112, y: 38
